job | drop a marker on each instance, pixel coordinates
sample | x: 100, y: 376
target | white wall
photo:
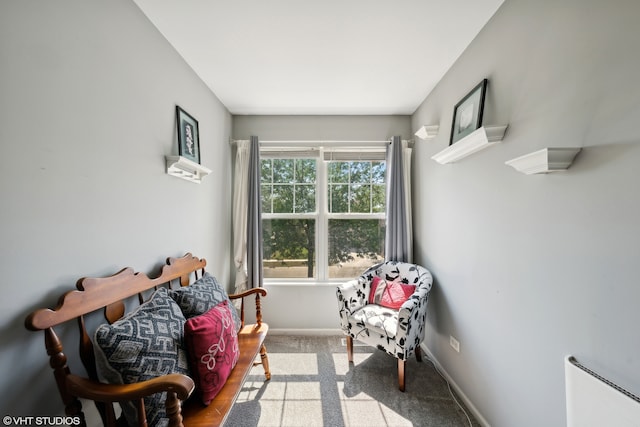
x: 306, y: 306
x: 529, y: 269
x: 87, y: 113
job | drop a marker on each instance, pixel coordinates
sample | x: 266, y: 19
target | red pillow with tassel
x: 390, y: 294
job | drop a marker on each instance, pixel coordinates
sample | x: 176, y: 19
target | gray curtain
x: 254, y: 220
x: 397, y: 238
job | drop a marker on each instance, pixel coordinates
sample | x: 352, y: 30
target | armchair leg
x: 418, y: 354
x: 350, y: 348
x: 401, y: 374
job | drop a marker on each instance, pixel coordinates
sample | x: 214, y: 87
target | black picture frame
x: 188, y: 135
x: 467, y: 114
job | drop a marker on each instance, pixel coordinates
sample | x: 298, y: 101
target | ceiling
x: 327, y: 57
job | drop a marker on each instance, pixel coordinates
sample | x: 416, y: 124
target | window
x: 288, y: 190
x: 321, y: 220
x: 356, y: 222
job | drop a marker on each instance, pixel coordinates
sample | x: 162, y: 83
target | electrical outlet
x: 454, y: 343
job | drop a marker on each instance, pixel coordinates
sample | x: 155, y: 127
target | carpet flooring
x: 312, y: 384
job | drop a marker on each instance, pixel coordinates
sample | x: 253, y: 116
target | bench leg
x: 265, y: 361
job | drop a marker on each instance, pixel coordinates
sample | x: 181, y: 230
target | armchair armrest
x: 411, y: 320
x: 241, y: 296
x: 351, y: 295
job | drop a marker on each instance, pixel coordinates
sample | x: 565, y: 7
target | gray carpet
x: 312, y: 384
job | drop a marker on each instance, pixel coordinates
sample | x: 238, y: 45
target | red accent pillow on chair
x: 389, y: 294
x: 212, y: 348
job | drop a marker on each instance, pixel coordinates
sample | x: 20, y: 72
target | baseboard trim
x: 311, y: 331
x: 478, y: 416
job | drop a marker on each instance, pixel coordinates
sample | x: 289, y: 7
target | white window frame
x: 322, y: 215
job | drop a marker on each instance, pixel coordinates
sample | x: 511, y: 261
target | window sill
x: 304, y: 284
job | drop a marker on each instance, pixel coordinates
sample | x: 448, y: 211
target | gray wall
x: 315, y: 306
x: 529, y: 269
x: 87, y: 113
x: 322, y: 128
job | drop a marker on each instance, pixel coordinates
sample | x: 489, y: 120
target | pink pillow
x: 211, y: 341
x: 389, y: 294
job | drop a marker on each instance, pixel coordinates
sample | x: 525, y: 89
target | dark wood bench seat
x: 108, y: 294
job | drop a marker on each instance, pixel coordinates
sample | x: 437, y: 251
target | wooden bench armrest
x: 261, y: 291
x: 85, y: 388
x: 258, y: 292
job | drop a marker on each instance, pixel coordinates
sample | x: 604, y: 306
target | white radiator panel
x: 593, y: 401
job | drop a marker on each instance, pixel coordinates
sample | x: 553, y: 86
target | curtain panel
x: 399, y: 233
x: 254, y: 218
x: 247, y: 221
x: 240, y: 202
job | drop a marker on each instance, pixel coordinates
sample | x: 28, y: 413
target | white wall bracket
x: 184, y: 168
x: 479, y: 139
x: 427, y: 132
x: 547, y: 160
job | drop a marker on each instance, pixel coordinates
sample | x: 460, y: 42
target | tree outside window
x: 351, y: 217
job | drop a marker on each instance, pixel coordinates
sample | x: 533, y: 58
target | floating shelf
x: 544, y: 161
x: 184, y: 168
x: 427, y: 132
x: 477, y: 140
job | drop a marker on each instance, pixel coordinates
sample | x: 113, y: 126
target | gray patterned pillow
x: 200, y: 297
x: 147, y: 343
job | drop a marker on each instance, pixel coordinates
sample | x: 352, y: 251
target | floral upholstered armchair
x: 386, y: 307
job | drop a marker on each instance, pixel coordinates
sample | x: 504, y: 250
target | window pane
x: 378, y: 170
x: 361, y: 198
x: 294, y: 185
x: 266, y: 168
x: 339, y: 198
x: 305, y: 198
x: 289, y: 248
x: 283, y: 170
x: 378, y: 198
x: 364, y: 190
x: 282, y: 198
x: 361, y: 172
x: 265, y: 195
x: 354, y: 246
x: 306, y: 171
x: 339, y: 172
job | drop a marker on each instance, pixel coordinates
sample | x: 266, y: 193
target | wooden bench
x: 108, y: 294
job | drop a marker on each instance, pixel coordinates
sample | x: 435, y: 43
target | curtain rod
x: 321, y: 142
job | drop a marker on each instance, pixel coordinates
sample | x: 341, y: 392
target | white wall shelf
x: 481, y: 138
x: 184, y: 168
x: 427, y: 132
x: 544, y: 161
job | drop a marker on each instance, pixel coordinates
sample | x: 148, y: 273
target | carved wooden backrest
x: 110, y: 294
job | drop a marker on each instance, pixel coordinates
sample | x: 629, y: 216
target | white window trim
x: 317, y: 150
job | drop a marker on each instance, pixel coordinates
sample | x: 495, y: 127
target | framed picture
x: 188, y: 136
x: 467, y: 114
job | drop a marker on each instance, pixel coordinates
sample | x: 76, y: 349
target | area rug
x: 312, y: 384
